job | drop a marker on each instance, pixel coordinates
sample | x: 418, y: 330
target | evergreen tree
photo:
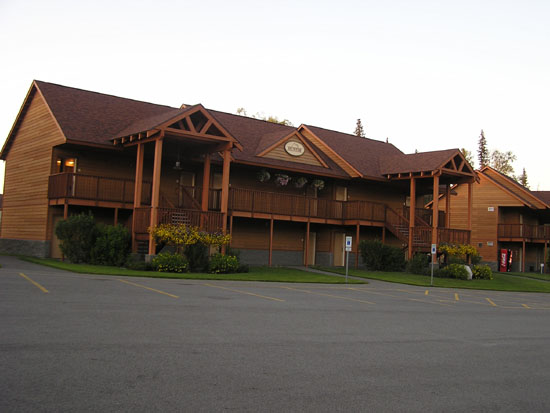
x: 522, y: 179
x: 359, y: 131
x: 482, y: 151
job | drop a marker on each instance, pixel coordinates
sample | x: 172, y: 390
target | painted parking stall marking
x: 37, y: 285
x: 147, y: 288
x: 329, y: 295
x: 244, y: 292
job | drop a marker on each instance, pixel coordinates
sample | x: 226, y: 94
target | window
x: 65, y: 165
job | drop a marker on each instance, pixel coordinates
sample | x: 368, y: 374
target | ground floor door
x: 338, y: 249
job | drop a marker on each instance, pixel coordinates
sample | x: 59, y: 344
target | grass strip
x: 267, y: 274
x: 501, y: 281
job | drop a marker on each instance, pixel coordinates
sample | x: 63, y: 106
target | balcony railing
x: 524, y: 231
x: 96, y: 188
x: 295, y: 205
x: 210, y: 221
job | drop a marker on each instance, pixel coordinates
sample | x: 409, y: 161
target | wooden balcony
x: 115, y: 192
x: 94, y: 190
x: 523, y: 232
x: 245, y: 202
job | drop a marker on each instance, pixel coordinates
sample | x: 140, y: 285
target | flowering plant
x: 282, y: 179
x: 263, y: 176
x: 300, y: 182
x: 318, y: 184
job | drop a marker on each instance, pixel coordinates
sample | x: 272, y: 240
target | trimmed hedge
x: 168, y: 262
x: 381, y: 257
x: 84, y: 241
x: 223, y: 264
x: 482, y: 272
x: 457, y: 271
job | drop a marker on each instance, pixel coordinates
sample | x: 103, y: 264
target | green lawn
x: 536, y: 275
x: 273, y: 274
x: 501, y: 282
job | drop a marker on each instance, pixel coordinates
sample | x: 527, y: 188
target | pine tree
x: 482, y: 151
x: 359, y: 131
x: 522, y: 179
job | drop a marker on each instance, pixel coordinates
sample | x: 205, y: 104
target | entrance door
x: 311, y: 248
x: 216, y: 193
x: 338, y: 249
x: 186, y: 189
x: 341, y: 194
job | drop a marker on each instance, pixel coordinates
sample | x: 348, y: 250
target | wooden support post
x: 544, y: 256
x: 116, y: 217
x: 307, y: 244
x: 225, y: 187
x: 205, y: 182
x: 383, y: 235
x: 470, y: 204
x: 523, y: 256
x: 270, y: 241
x: 138, y: 185
x: 230, y: 229
x: 155, y: 196
x: 447, y: 206
x: 412, y: 217
x: 357, y: 233
x: 435, y: 216
x: 65, y: 210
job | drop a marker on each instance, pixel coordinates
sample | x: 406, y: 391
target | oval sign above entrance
x: 294, y: 148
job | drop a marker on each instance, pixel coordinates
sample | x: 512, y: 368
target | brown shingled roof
x: 362, y: 153
x: 95, y: 117
x: 256, y: 135
x: 543, y: 196
x: 415, y: 162
x: 91, y: 117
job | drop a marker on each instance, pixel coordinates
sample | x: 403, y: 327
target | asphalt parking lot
x: 73, y: 342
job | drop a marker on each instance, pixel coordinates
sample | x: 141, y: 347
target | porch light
x: 177, y: 166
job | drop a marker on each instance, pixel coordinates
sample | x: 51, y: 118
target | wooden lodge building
x: 506, y: 216
x: 139, y: 164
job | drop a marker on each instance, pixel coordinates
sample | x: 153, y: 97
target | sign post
x: 434, y: 252
x: 348, y: 250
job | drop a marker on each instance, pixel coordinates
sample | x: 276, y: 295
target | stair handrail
x: 394, y: 219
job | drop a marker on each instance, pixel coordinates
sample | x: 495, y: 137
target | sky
x: 426, y: 75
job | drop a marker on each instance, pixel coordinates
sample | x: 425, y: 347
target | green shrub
x: 243, y: 268
x: 223, y: 264
x: 197, y: 254
x: 419, y: 264
x: 482, y: 272
x: 77, y: 235
x: 112, y: 245
x: 380, y: 257
x: 136, y: 262
x: 457, y: 271
x: 167, y: 262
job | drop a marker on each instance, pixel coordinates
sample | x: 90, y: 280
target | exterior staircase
x: 398, y: 225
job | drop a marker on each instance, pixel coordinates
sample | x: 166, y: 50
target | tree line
x: 498, y: 160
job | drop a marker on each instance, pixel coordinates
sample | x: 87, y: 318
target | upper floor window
x: 65, y: 165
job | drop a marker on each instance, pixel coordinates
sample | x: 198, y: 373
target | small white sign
x: 294, y: 148
x: 491, y: 209
x: 348, y: 243
x: 434, y: 249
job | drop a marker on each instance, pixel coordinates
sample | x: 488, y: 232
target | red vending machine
x: 505, y: 261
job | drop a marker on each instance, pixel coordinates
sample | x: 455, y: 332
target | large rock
x: 470, y: 273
